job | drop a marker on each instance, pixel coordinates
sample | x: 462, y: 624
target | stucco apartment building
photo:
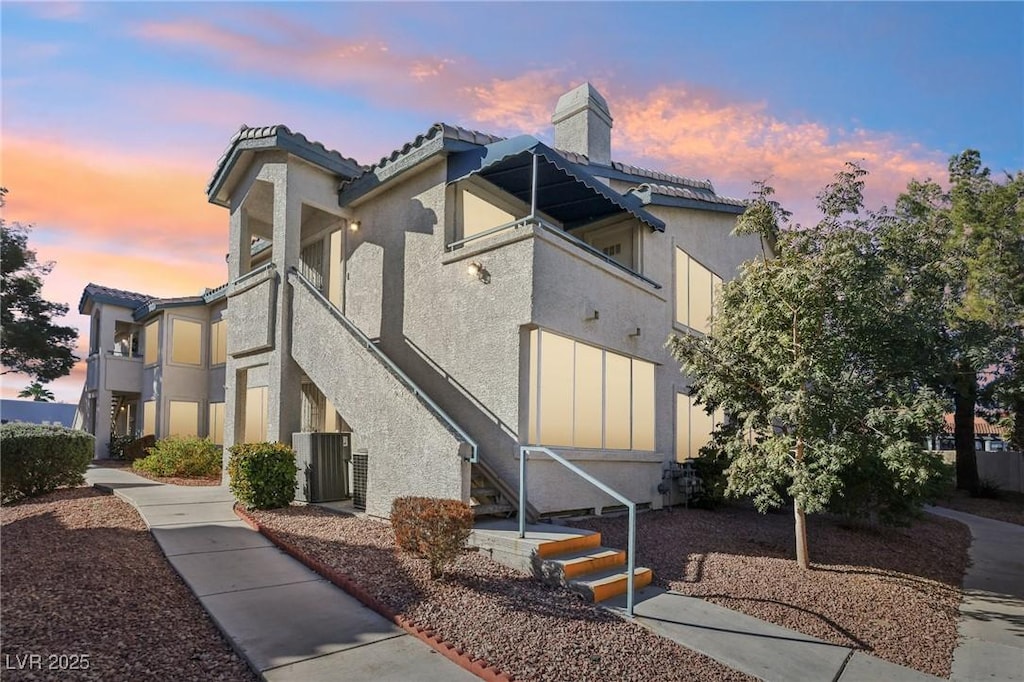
x: 461, y: 297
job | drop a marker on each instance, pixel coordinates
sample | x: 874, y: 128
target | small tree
x: 30, y: 342
x: 810, y: 355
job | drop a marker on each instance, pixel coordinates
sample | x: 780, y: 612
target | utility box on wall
x: 323, y: 462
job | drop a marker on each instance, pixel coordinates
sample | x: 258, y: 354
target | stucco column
x: 284, y: 404
x: 234, y: 412
x: 240, y: 241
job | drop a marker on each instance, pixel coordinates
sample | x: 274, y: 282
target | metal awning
x: 564, y: 190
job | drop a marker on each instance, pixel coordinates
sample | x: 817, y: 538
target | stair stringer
x: 411, y: 449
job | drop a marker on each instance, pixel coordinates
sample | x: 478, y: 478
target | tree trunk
x: 800, y: 521
x: 803, y: 559
x: 963, y: 429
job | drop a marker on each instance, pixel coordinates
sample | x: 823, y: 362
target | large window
x: 586, y: 397
x: 218, y: 342
x: 186, y: 342
x: 183, y: 418
x: 256, y: 414
x: 152, y: 342
x: 696, y: 290
x: 216, y: 430
x: 693, y: 427
x: 477, y: 214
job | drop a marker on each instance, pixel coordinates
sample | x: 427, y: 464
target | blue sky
x: 114, y: 114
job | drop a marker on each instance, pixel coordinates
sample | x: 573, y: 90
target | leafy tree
x: 980, y: 226
x: 30, y: 342
x: 809, y: 356
x: 37, y: 392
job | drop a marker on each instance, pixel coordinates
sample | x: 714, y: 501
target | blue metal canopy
x: 565, y: 191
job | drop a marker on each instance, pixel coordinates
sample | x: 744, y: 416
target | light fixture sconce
x: 353, y: 226
x: 477, y: 269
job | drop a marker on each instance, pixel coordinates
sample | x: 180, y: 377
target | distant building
x: 33, y: 412
x: 987, y: 437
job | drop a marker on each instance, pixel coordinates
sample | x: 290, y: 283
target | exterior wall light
x: 477, y: 269
x: 353, y: 226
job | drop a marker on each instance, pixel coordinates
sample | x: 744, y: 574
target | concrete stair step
x: 494, y: 509
x: 608, y: 583
x: 564, y: 567
x: 484, y: 491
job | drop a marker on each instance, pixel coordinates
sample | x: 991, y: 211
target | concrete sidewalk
x: 753, y: 646
x: 287, y: 621
x: 992, y: 611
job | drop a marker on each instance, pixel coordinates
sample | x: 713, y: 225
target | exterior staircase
x: 488, y: 496
x: 559, y: 555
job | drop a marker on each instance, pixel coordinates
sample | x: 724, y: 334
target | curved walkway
x: 992, y: 611
x: 284, y: 619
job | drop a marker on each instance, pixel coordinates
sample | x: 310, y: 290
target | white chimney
x: 583, y: 124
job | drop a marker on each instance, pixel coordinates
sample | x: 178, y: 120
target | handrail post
x: 631, y: 563
x: 522, y: 492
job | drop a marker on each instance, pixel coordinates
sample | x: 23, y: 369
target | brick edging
x: 477, y: 666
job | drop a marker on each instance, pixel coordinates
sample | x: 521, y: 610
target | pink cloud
x: 102, y: 193
x: 734, y: 143
x: 275, y: 44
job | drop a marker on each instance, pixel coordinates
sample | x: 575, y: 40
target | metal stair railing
x: 388, y: 362
x: 630, y: 552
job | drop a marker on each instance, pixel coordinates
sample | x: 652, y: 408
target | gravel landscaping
x: 1008, y: 507
x: 82, y: 577
x: 893, y: 593
x: 525, y: 628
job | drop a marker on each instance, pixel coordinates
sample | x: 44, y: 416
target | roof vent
x: 583, y: 124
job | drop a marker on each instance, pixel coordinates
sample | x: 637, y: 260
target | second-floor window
x: 218, y: 342
x: 696, y: 290
x: 477, y: 214
x: 151, y: 340
x: 186, y: 342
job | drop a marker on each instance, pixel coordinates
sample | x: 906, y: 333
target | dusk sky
x: 114, y: 114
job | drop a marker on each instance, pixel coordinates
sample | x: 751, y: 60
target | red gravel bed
x: 894, y: 593
x: 83, y: 577
x: 172, y: 480
x: 524, y: 628
x: 1009, y: 507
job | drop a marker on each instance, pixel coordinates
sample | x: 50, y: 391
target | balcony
x: 122, y: 371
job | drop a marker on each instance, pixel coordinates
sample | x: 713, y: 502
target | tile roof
x: 688, y: 193
x: 639, y: 172
x: 445, y: 130
x: 981, y: 427
x: 121, y: 297
x: 251, y: 136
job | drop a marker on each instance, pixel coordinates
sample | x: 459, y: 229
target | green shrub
x: 139, y: 448
x: 262, y: 474
x: 117, y: 445
x: 433, y: 528
x: 182, y: 456
x: 710, y: 467
x: 987, y: 489
x: 36, y: 459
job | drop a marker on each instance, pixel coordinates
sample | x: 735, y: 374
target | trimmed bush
x: 117, y: 445
x: 262, y: 474
x: 36, y: 459
x: 435, y: 529
x: 139, y: 448
x: 182, y: 456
